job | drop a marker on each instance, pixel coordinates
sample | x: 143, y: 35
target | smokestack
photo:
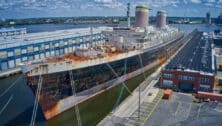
x: 161, y: 19
x: 142, y: 16
x: 128, y: 14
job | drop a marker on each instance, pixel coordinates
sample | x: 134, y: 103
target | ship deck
x: 71, y: 61
x: 73, y: 57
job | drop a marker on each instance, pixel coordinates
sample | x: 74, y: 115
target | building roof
x: 31, y: 38
x: 195, y: 56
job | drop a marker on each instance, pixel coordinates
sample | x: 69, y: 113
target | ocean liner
x: 91, y: 68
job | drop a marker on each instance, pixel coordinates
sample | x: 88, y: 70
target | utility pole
x: 139, y: 105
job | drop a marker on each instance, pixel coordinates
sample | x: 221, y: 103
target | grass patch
x: 95, y: 109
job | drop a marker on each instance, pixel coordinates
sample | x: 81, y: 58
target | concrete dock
x: 10, y: 72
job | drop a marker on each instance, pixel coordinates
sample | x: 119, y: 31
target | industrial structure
x: 161, y: 19
x: 142, y: 16
x: 128, y: 15
x: 18, y: 46
x: 218, y: 20
x: 192, y: 69
x: 208, y: 18
x: 95, y: 66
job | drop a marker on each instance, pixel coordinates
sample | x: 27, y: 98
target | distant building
x: 219, y: 19
x: 220, y: 16
x: 17, y: 46
x: 208, y: 18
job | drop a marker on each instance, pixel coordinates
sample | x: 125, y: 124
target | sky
x: 15, y: 9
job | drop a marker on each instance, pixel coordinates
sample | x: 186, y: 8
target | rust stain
x: 52, y: 111
x: 161, y: 59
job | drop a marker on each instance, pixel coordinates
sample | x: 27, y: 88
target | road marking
x: 179, y: 102
x: 154, y: 108
x: 189, y: 110
x: 12, y: 85
x: 181, y: 93
x: 198, y: 113
x: 184, y: 102
x: 5, y: 106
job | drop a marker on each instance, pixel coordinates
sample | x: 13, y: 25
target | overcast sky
x: 71, y: 8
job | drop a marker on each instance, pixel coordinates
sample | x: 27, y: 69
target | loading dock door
x: 186, y: 87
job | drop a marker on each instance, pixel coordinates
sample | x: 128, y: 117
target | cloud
x: 164, y: 3
x: 209, y: 4
x: 104, y: 1
x: 196, y: 1
x: 185, y: 1
x: 211, y: 1
x: 41, y: 8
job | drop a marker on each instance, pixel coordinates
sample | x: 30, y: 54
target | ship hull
x: 56, y: 94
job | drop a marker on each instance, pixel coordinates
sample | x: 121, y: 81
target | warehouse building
x: 17, y: 46
x: 192, y: 69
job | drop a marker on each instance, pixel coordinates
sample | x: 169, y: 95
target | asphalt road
x: 16, y: 103
x: 181, y: 111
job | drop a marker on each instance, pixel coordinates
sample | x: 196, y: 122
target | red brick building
x: 186, y: 80
x: 192, y: 69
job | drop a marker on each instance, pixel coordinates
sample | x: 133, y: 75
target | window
x: 10, y: 54
x: 3, y: 54
x: 42, y: 47
x: 70, y: 41
x: 30, y: 49
x: 61, y: 43
x: 184, y: 77
x: 167, y: 75
x: 4, y: 66
x: 204, y: 87
x: 47, y: 54
x: 36, y: 48
x: 65, y: 43
x: 24, y: 51
x: 56, y: 44
x: 204, y: 80
x: 46, y: 46
x: 17, y: 51
x: 36, y: 57
x: 24, y: 59
x: 77, y: 40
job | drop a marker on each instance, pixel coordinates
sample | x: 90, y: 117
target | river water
x: 52, y: 27
x: 16, y: 98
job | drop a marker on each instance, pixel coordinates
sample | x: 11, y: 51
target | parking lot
x: 182, y: 111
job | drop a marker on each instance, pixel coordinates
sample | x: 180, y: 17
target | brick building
x: 192, y: 69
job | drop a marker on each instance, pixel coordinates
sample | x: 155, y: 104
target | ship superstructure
x: 93, y: 66
x: 123, y: 43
